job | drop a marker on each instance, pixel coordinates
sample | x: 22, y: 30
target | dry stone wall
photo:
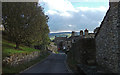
x: 119, y: 37
x: 83, y: 51
x: 20, y: 58
x: 107, y: 40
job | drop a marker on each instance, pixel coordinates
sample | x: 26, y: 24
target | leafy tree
x: 25, y: 22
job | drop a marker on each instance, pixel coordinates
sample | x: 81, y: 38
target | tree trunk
x: 17, y: 45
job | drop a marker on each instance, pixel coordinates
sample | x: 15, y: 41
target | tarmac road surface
x: 55, y: 63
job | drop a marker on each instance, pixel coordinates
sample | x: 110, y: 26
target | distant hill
x: 61, y: 34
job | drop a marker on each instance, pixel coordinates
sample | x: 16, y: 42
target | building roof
x: 74, y: 37
x: 60, y: 38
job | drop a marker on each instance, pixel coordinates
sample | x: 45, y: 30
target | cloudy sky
x: 74, y: 15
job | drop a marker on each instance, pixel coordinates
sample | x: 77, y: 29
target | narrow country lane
x: 55, y: 63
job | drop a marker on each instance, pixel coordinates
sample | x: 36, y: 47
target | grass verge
x: 56, y: 52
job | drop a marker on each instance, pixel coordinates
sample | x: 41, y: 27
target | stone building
x: 82, y: 35
x: 59, y: 41
x: 108, y: 40
x: 88, y: 35
x: 75, y: 38
x: 66, y: 43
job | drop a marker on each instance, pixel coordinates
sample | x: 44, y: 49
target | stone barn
x: 108, y: 40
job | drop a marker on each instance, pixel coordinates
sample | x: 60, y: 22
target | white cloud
x: 70, y: 25
x: 103, y: 9
x: 59, y: 5
x: 82, y: 15
x: 64, y: 7
x: 51, y: 12
x: 65, y: 17
x: 65, y: 14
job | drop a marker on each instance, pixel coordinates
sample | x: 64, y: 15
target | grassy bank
x: 8, y: 49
